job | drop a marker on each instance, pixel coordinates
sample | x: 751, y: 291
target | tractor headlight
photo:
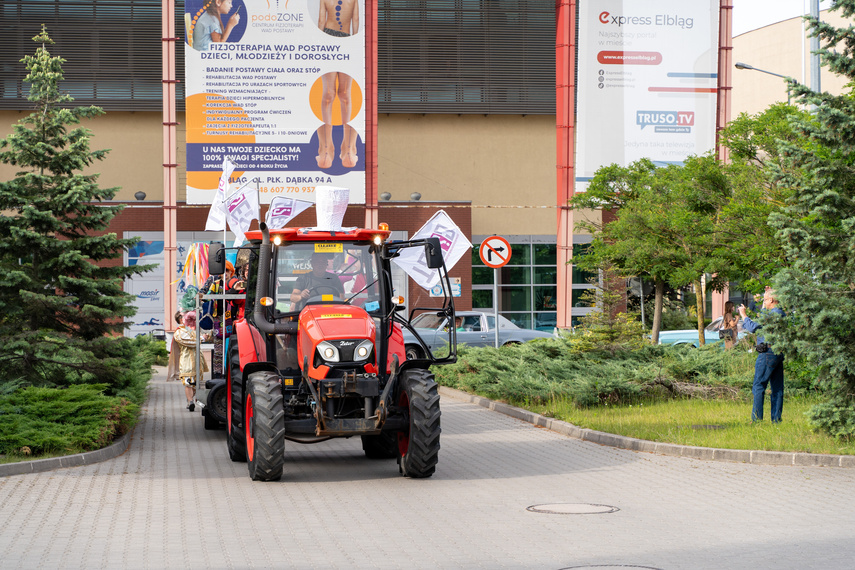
x: 363, y: 350
x: 328, y: 352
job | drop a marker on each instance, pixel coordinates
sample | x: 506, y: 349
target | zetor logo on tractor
x: 321, y: 353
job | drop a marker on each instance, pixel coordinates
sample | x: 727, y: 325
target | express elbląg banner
x: 278, y: 87
x: 647, y: 82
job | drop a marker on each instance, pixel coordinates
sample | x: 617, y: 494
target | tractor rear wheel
x: 382, y: 446
x: 216, y: 407
x: 235, y: 438
x: 264, y: 421
x: 418, y: 446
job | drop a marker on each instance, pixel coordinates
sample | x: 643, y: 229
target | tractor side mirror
x: 216, y: 259
x: 433, y: 253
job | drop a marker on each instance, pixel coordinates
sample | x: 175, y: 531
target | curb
x: 40, y: 465
x: 672, y: 449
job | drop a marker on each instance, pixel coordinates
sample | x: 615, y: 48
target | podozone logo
x: 279, y: 15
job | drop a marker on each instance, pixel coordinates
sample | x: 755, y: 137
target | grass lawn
x: 721, y: 424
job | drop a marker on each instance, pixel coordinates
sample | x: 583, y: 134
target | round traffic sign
x: 495, y: 252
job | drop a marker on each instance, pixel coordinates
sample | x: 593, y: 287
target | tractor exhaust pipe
x: 262, y: 288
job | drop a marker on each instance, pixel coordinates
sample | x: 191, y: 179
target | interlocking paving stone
x: 175, y: 500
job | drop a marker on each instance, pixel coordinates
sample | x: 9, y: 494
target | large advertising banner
x: 647, y: 82
x: 278, y: 87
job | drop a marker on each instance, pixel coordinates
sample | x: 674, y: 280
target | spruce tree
x: 817, y: 231
x: 59, y: 304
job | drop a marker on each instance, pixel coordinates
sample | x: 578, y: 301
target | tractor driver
x: 317, y: 282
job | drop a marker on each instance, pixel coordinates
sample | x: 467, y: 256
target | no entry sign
x: 495, y: 252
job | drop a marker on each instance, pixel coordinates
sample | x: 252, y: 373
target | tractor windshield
x: 317, y: 272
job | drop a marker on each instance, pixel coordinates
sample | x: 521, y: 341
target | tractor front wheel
x: 418, y: 445
x: 264, y: 424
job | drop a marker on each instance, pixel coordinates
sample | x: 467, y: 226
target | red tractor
x: 319, y: 352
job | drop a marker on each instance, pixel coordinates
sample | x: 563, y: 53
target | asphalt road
x: 175, y: 500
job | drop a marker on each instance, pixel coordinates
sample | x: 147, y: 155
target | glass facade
x: 527, y: 285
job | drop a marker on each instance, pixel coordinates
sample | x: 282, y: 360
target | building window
x: 527, y: 284
x: 466, y: 56
x: 112, y: 48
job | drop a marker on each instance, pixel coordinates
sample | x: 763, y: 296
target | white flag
x: 282, y: 210
x: 217, y: 214
x: 452, y: 241
x: 241, y: 209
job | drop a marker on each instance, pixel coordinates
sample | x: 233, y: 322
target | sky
x: 752, y: 14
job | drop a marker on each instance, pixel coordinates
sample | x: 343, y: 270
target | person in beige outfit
x: 182, y: 357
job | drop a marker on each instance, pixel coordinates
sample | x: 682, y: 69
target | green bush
x: 155, y: 350
x: 570, y: 368
x: 40, y: 421
x: 130, y: 365
x: 74, y: 415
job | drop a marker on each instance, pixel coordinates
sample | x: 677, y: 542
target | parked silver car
x: 475, y: 328
x: 690, y: 336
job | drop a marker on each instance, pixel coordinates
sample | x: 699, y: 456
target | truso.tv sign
x: 666, y: 121
x: 661, y: 20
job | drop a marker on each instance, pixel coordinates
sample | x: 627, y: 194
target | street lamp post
x: 790, y: 81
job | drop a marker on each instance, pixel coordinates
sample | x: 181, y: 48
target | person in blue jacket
x: 769, y: 367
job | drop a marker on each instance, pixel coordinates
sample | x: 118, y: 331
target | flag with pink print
x: 241, y: 209
x: 217, y: 213
x: 452, y: 240
x: 283, y: 210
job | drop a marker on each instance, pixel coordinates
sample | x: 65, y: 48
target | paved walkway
x: 174, y: 500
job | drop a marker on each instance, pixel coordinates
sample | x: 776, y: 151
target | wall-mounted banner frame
x: 647, y: 83
x: 279, y: 87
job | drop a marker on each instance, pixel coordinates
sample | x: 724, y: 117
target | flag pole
x: 258, y: 201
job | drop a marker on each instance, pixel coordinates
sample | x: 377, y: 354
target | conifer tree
x: 58, y: 306
x: 817, y: 231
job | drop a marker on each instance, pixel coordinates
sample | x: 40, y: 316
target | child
x: 209, y: 27
x: 182, y: 360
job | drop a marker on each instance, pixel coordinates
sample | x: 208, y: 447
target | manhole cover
x: 707, y: 427
x: 572, y: 509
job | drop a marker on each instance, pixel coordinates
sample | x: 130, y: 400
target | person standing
x: 769, y: 368
x: 728, y: 330
x: 182, y: 361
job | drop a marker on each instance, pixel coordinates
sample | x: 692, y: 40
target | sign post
x: 495, y: 252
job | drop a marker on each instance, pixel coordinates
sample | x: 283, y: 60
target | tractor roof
x: 311, y: 234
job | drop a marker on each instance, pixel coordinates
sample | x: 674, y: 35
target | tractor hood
x: 328, y: 322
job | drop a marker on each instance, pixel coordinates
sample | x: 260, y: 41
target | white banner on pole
x: 217, y: 213
x: 242, y: 208
x: 453, y: 242
x: 282, y: 210
x: 647, y: 82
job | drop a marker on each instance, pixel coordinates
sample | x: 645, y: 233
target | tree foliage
x: 816, y: 229
x: 58, y: 306
x: 663, y: 225
x: 748, y: 245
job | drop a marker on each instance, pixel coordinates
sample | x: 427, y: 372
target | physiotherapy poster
x: 647, y: 82
x: 278, y: 87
